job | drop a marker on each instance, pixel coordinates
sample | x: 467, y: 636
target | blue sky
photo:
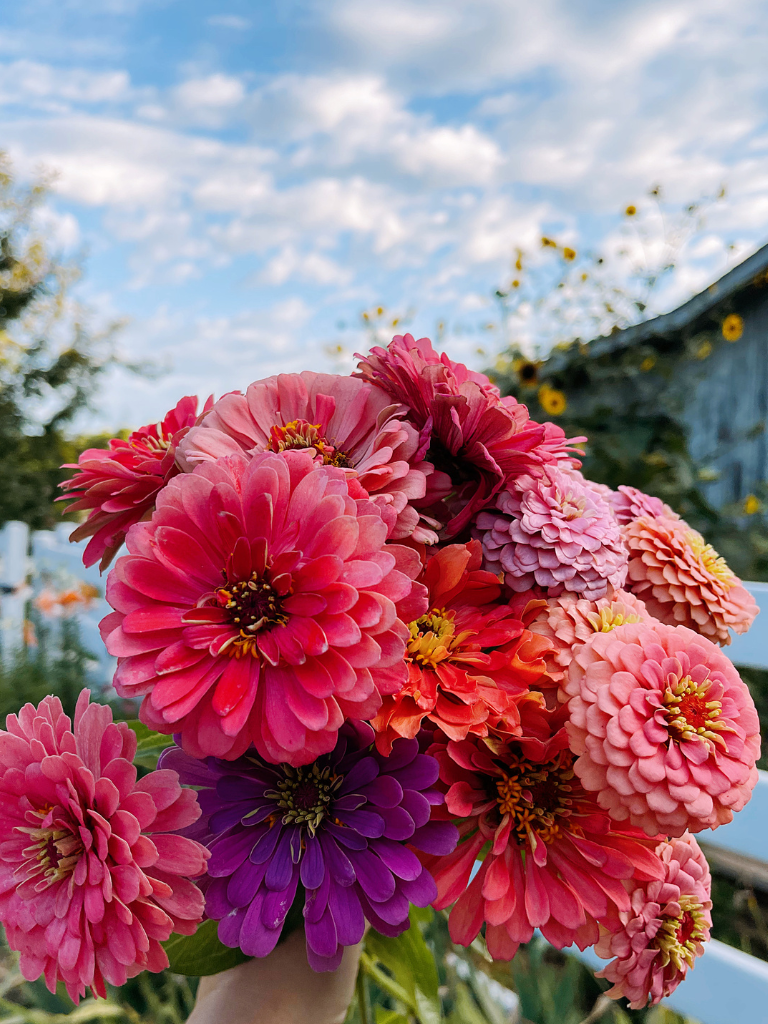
x: 246, y: 178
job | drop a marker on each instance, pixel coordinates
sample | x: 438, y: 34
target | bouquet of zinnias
x: 408, y: 655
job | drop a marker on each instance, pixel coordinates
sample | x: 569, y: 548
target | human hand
x: 279, y: 989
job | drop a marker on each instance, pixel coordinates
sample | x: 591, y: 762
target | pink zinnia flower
x: 629, y: 503
x: 119, y: 484
x: 555, y: 861
x: 683, y: 580
x: 476, y: 440
x: 90, y: 880
x: 665, y: 930
x: 261, y: 604
x: 569, y: 621
x: 667, y: 731
x: 470, y: 657
x: 345, y: 421
x: 553, y: 531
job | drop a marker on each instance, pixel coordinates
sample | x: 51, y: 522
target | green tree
x: 51, y: 360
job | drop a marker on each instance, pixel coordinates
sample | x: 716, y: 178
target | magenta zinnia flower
x: 555, y: 532
x: 260, y: 605
x: 345, y: 421
x: 475, y: 439
x: 119, y: 484
x: 91, y: 882
x: 667, y: 732
x: 555, y: 861
x: 665, y: 930
x: 343, y: 827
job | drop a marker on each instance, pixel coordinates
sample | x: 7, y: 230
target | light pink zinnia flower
x: 556, y: 533
x: 90, y: 880
x: 664, y: 932
x: 683, y: 580
x: 259, y: 605
x: 569, y: 621
x: 476, y: 440
x: 629, y: 503
x: 347, y: 422
x: 119, y: 484
x: 667, y: 731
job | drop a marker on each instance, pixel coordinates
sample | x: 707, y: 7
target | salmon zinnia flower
x: 344, y: 421
x: 470, y: 657
x: 684, y: 581
x: 667, y: 732
x: 90, y: 880
x: 259, y: 605
x: 555, y: 860
x: 665, y: 930
x: 119, y: 484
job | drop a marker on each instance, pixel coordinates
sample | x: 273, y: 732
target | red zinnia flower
x: 119, y: 484
x: 470, y: 657
x: 90, y: 880
x: 555, y: 862
x: 475, y: 439
x: 259, y: 605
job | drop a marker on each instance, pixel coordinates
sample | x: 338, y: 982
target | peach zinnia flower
x: 90, y: 880
x: 345, y: 421
x: 568, y: 621
x: 119, y: 484
x: 664, y: 932
x: 261, y: 605
x: 667, y: 732
x: 682, y: 579
x: 470, y: 657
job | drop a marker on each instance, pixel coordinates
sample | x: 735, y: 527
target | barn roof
x: 730, y: 284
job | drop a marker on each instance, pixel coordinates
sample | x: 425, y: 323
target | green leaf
x: 389, y: 1016
x: 201, y: 954
x: 150, y: 745
x: 411, y: 966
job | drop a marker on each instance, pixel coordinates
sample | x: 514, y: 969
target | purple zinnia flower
x: 339, y: 827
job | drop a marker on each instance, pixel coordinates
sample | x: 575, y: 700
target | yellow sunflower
x: 552, y: 401
x: 733, y: 327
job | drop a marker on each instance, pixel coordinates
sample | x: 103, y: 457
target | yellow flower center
x: 609, y: 618
x: 300, y: 434
x: 253, y: 605
x: 52, y: 854
x: 712, y: 563
x: 434, y: 637
x: 691, y: 716
x: 678, y: 937
x: 537, y: 797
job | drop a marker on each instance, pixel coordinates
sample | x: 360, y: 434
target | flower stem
x: 362, y: 997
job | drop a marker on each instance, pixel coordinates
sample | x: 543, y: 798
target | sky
x: 243, y: 179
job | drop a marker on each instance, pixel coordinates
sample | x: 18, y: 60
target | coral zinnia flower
x: 470, y: 657
x: 667, y: 731
x: 345, y: 421
x: 475, y: 439
x: 119, y: 484
x: 553, y: 531
x: 663, y: 933
x: 555, y: 860
x: 258, y: 605
x: 569, y: 621
x: 339, y: 827
x: 90, y: 880
x: 682, y: 580
x: 629, y: 503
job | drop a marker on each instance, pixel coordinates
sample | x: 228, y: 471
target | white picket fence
x: 727, y: 986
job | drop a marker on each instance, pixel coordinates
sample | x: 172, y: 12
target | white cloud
x: 26, y: 81
x: 233, y: 21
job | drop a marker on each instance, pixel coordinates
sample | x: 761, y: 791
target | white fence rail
x: 727, y: 986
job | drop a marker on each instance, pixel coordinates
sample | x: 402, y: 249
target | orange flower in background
x: 63, y: 603
x: 471, y: 658
x: 733, y: 327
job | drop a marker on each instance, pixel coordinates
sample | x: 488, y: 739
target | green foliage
x: 201, y: 954
x: 149, y: 747
x: 51, y: 361
x: 405, y: 968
